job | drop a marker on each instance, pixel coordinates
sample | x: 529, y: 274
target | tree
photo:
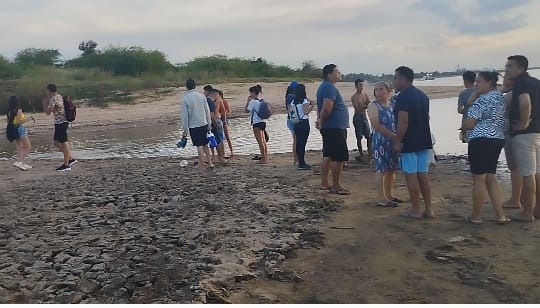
x: 88, y: 47
x: 35, y: 56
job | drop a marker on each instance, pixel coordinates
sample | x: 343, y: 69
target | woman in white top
x: 253, y: 106
x: 299, y: 110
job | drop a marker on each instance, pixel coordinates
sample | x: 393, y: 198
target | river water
x: 160, y: 141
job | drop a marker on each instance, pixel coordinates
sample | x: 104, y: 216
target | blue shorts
x: 21, y: 130
x: 290, y: 125
x: 219, y: 131
x: 417, y: 162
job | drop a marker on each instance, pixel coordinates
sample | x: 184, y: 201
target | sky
x: 363, y: 36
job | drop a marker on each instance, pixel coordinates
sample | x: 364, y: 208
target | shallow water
x: 142, y: 142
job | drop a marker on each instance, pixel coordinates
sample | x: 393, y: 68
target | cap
x: 293, y: 85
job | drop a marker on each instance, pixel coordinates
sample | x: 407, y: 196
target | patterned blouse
x: 56, y: 103
x: 489, y: 110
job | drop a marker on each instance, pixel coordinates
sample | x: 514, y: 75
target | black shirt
x: 416, y: 104
x: 525, y: 84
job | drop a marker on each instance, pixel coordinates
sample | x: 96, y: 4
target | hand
x: 318, y: 125
x: 185, y: 134
x: 397, y: 147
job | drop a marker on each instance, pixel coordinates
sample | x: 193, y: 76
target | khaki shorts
x: 526, y: 150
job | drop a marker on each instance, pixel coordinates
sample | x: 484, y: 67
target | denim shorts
x: 417, y: 162
x: 21, y: 130
x: 290, y: 125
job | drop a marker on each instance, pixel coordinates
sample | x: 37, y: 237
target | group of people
x: 507, y: 118
x: 16, y: 129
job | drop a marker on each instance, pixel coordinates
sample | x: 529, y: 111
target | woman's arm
x: 20, y: 117
x: 373, y: 114
x: 308, y: 108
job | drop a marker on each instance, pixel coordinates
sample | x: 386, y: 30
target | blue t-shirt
x: 339, y: 118
x: 416, y: 104
x: 211, y: 104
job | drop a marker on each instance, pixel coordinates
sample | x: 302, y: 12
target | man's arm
x: 185, y: 118
x: 524, y: 112
x: 326, y: 111
x: 46, y: 106
x: 403, y: 125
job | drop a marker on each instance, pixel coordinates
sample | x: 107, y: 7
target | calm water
x: 458, y: 80
x: 141, y: 142
x: 161, y: 141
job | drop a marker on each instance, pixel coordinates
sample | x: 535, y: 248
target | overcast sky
x: 372, y: 36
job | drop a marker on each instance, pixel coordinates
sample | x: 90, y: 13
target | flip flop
x: 408, y: 214
x: 505, y: 221
x: 340, y: 191
x: 474, y: 222
x: 425, y: 215
x: 324, y: 188
x: 388, y: 204
x: 256, y: 157
x: 397, y: 200
x: 520, y: 219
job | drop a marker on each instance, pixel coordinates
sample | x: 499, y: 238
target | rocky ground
x: 148, y: 231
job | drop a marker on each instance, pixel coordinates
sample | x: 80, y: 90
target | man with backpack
x: 55, y: 104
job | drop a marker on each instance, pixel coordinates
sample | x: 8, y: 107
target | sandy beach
x: 150, y: 107
x: 149, y: 231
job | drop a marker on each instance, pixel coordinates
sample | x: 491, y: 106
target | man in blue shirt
x: 332, y: 121
x: 413, y: 140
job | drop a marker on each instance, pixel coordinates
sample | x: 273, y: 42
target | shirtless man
x: 218, y: 122
x: 360, y: 102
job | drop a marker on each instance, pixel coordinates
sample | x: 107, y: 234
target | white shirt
x: 300, y: 109
x: 194, y: 111
x: 254, y: 106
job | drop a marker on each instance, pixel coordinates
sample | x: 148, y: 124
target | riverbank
x: 151, y: 108
x: 149, y: 231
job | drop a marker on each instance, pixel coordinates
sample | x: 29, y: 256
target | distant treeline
x: 101, y: 76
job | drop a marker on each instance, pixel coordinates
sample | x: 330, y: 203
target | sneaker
x: 72, y: 162
x: 27, y: 166
x: 20, y: 165
x: 63, y: 168
x: 304, y: 167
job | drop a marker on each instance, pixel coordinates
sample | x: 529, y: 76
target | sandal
x: 389, y: 204
x: 396, y: 200
x: 408, y: 214
x: 474, y: 222
x: 505, y: 221
x: 256, y: 157
x: 340, y: 191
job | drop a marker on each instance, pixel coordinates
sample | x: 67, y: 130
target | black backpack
x: 12, y: 131
x: 69, y: 109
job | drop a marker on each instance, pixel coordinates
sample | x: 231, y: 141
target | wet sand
x: 150, y: 107
x: 149, y: 231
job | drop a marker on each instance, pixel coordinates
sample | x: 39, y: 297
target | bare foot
x: 521, y: 217
x: 429, y: 214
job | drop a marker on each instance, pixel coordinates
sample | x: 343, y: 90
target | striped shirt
x: 489, y: 111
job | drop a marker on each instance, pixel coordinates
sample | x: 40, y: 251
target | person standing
x: 332, y: 121
x: 381, y: 116
x: 289, y: 99
x: 16, y: 120
x: 253, y: 106
x: 469, y: 78
x: 225, y: 118
x: 301, y: 106
x: 219, y: 130
x: 413, y: 140
x: 486, y: 123
x: 525, y: 132
x: 196, y: 122
x: 55, y: 105
x: 360, y: 102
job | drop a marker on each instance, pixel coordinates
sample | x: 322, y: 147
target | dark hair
x: 490, y: 76
x: 51, y: 87
x: 256, y: 89
x: 299, y: 94
x: 469, y: 76
x: 13, y: 107
x: 214, y: 91
x: 208, y: 88
x: 357, y: 81
x: 521, y: 61
x: 289, y: 91
x: 190, y: 84
x: 327, y: 70
x: 406, y: 72
x: 220, y: 93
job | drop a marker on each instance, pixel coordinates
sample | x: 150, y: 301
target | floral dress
x: 384, y: 156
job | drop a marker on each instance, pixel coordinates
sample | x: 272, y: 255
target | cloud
x: 480, y: 17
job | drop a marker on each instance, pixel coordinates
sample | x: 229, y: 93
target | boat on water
x: 429, y: 76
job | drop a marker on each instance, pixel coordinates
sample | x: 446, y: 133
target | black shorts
x: 484, y: 155
x: 60, y: 132
x: 361, y: 126
x: 198, y: 136
x: 260, y: 125
x: 335, y: 144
